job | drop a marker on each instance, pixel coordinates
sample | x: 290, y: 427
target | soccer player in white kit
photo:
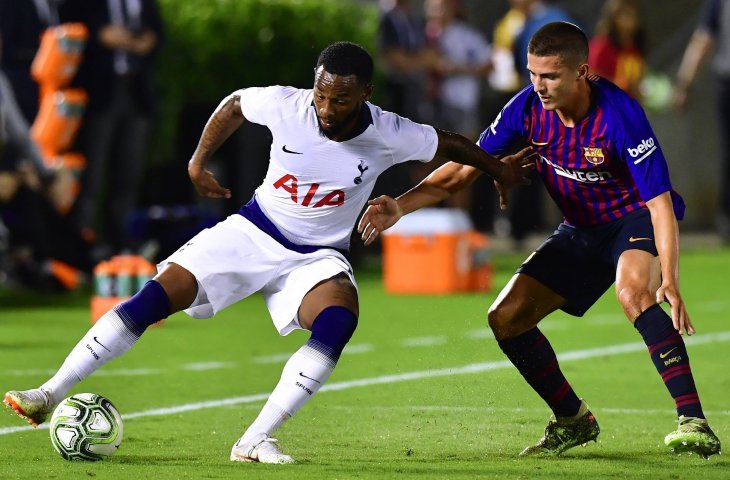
x: 289, y: 242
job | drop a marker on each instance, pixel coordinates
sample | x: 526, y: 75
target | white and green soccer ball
x: 86, y: 426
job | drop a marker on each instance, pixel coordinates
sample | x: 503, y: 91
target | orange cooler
x: 434, y: 251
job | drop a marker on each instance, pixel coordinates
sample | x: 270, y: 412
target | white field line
x: 423, y: 341
x: 401, y: 377
x: 283, y: 357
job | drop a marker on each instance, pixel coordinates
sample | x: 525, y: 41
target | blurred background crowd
x: 109, y: 176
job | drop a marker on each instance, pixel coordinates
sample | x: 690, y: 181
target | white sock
x: 107, y: 339
x: 303, y: 375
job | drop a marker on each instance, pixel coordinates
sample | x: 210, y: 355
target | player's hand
x: 519, y: 166
x: 205, y: 182
x: 382, y: 213
x: 680, y: 317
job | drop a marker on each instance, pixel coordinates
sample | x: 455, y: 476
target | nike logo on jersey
x: 539, y: 144
x: 664, y: 355
x: 637, y: 239
x: 301, y: 374
x: 290, y: 151
x: 102, y: 345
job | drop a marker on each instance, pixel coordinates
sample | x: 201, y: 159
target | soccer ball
x: 86, y: 426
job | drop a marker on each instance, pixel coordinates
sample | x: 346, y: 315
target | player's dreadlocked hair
x: 347, y: 58
x: 561, y: 39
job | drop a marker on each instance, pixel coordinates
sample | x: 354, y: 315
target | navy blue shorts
x: 579, y: 263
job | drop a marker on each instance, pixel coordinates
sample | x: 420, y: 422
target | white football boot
x: 260, y: 449
x: 32, y: 405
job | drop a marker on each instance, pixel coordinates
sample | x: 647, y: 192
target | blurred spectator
x: 537, y: 13
x: 404, y: 58
x: 504, y: 77
x: 21, y: 24
x: 617, y: 50
x: 464, y: 62
x: 401, y: 45
x: 124, y: 36
x: 44, y: 250
x: 504, y: 82
x: 713, y: 30
x: 456, y: 80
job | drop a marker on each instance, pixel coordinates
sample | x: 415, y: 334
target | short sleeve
x: 507, y: 129
x: 407, y: 139
x: 642, y: 153
x: 263, y: 105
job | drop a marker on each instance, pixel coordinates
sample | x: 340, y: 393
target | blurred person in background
x: 617, y: 50
x: 456, y: 80
x: 404, y: 58
x: 45, y: 250
x: 712, y: 33
x: 124, y: 37
x: 464, y: 61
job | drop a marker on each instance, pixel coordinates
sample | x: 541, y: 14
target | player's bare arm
x: 226, y: 119
x: 511, y: 171
x: 666, y: 234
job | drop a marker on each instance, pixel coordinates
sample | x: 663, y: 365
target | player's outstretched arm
x: 509, y: 171
x: 383, y: 212
x: 666, y: 233
x: 226, y: 119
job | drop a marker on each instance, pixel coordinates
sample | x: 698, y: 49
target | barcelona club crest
x: 593, y: 155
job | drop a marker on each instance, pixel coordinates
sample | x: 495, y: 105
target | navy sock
x: 667, y: 351
x: 146, y: 307
x: 535, y: 359
x: 331, y: 331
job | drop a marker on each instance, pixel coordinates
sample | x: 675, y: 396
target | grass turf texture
x: 452, y: 425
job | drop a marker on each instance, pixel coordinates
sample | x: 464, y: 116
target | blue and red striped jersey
x: 606, y: 166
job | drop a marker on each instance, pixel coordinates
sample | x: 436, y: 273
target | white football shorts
x: 235, y: 259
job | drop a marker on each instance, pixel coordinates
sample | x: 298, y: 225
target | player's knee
x: 634, y: 300
x: 334, y: 327
x: 508, y: 320
x: 498, y: 319
x: 151, y: 304
x: 180, y: 285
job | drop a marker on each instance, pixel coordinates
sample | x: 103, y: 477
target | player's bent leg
x: 667, y: 351
x: 510, y: 315
x: 111, y: 336
x: 563, y: 433
x: 513, y: 321
x: 303, y: 375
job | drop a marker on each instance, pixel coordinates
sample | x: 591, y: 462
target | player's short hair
x: 562, y: 39
x: 347, y: 58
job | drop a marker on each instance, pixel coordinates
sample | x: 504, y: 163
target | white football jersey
x: 315, y: 188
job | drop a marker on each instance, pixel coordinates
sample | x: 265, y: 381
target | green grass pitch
x: 421, y: 392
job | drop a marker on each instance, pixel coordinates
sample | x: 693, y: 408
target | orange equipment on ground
x: 116, y: 280
x: 61, y: 109
x: 435, y: 251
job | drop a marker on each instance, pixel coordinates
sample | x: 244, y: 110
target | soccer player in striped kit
x: 603, y: 166
x: 289, y: 242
